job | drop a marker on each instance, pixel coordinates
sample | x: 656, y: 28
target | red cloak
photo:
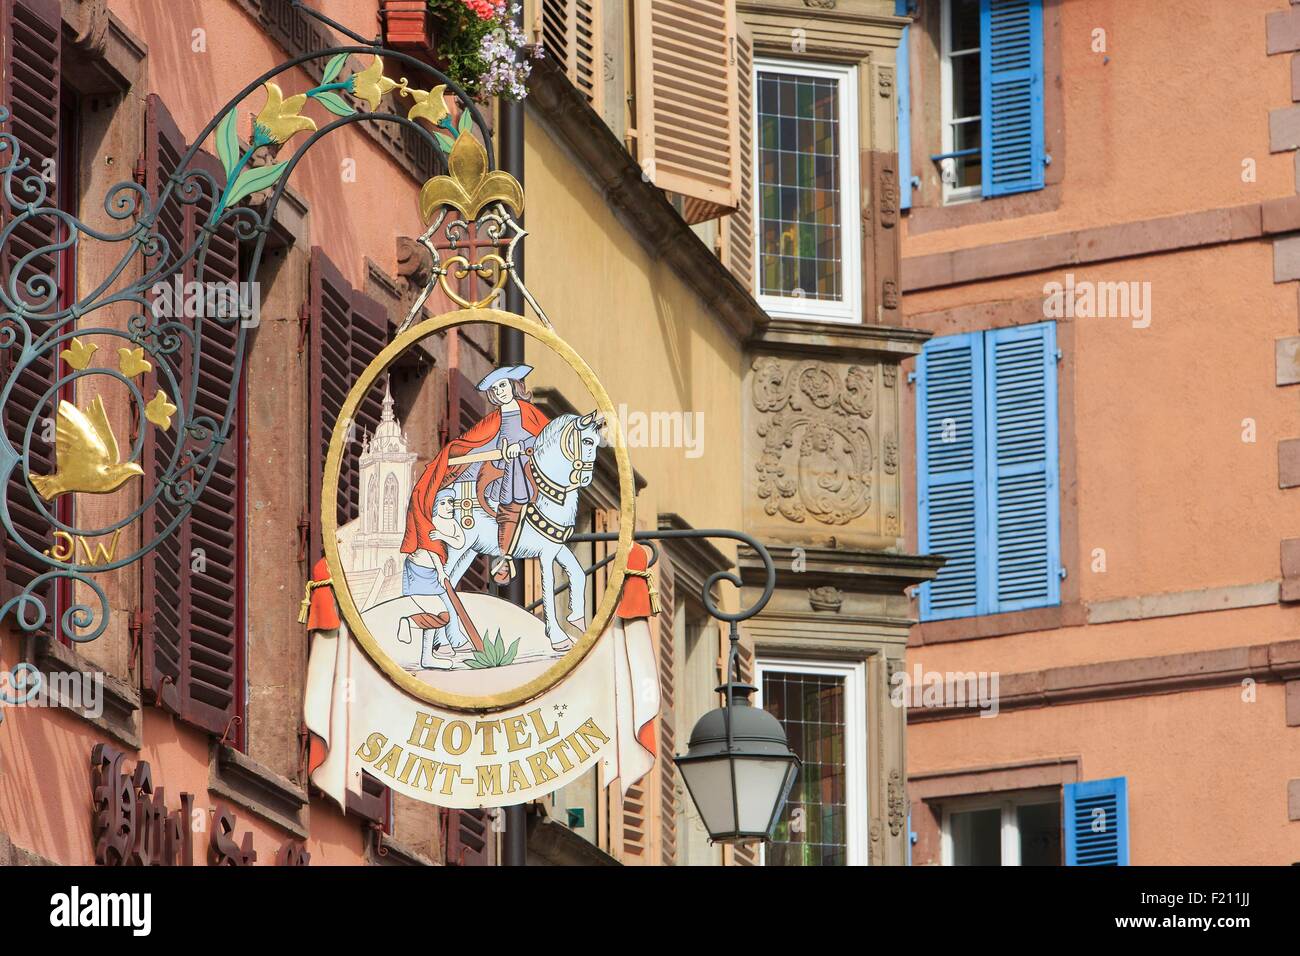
x: 437, y: 475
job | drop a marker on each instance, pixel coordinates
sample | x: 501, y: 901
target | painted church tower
x: 387, y: 473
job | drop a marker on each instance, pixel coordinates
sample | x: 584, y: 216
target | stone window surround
x: 928, y: 792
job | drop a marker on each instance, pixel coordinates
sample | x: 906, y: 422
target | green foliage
x: 333, y: 68
x: 253, y: 180
x: 494, y: 653
x: 228, y: 142
x: 334, y: 103
x: 459, y: 35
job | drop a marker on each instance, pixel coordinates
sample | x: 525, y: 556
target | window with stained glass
x: 820, y: 707
x: 806, y: 223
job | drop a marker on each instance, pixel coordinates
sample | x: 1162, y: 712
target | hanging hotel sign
x: 465, y: 699
x: 457, y: 698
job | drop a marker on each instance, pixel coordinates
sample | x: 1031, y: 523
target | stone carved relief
x: 817, y: 454
x: 889, y: 294
x: 820, y: 4
x: 897, y: 803
x: 825, y: 598
x: 890, y: 460
x: 888, y: 192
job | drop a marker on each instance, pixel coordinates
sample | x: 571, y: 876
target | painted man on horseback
x: 495, y: 478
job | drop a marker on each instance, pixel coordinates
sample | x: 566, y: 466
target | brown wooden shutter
x: 193, y: 582
x: 165, y: 569
x: 468, y: 838
x: 667, y: 733
x: 572, y: 34
x: 31, y: 87
x: 742, y: 854
x: 217, y: 525
x: 347, y: 329
x: 738, y: 228
x: 686, y: 111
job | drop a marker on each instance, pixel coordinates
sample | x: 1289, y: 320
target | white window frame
x: 855, y: 747
x: 848, y: 309
x: 952, y: 194
x: 1008, y: 803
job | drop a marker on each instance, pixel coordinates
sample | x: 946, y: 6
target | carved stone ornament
x: 817, y: 456
x: 897, y: 803
x: 825, y: 598
x: 891, y: 455
x: 820, y: 4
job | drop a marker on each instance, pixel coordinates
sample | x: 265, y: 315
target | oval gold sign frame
x: 329, y: 515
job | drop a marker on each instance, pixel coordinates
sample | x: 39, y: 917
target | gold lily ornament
x: 371, y: 84
x: 279, y: 117
x: 86, y: 457
x: 429, y: 105
x: 470, y: 186
x: 131, y: 362
x: 78, y: 353
x: 160, y: 410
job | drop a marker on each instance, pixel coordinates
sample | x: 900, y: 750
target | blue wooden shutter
x: 1096, y: 823
x: 1022, y: 481
x: 951, y: 472
x: 1011, y: 94
x: 904, y: 88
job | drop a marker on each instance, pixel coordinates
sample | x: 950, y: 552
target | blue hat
x: 516, y: 372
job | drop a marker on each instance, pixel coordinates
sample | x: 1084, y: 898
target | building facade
x: 1100, y: 238
x: 714, y: 222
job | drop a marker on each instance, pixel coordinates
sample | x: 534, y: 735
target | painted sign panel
x: 464, y: 699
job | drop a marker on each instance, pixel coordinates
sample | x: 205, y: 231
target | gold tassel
x: 305, y: 610
x: 650, y: 587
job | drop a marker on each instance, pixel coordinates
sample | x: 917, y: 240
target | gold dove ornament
x: 86, y: 457
x: 470, y: 186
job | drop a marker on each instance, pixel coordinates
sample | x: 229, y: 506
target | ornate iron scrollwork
x: 38, y: 323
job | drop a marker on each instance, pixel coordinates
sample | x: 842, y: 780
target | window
x: 987, y: 471
x: 960, y: 79
x: 807, y: 252
x: 822, y: 709
x: 1017, y: 830
x: 991, y: 88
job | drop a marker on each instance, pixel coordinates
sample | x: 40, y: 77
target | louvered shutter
x: 950, y: 471
x: 738, y: 228
x: 666, y: 732
x: 217, y: 526
x: 686, y: 119
x: 742, y: 854
x: 32, y: 77
x: 1011, y: 95
x: 468, y: 840
x: 903, y: 92
x: 165, y: 569
x: 1024, y: 526
x: 194, y: 581
x: 572, y: 34
x: 1096, y: 823
x: 346, y: 330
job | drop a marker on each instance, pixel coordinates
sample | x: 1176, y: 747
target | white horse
x: 562, y: 461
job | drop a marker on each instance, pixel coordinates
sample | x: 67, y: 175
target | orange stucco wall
x: 1155, y: 425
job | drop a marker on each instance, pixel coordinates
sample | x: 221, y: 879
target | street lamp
x: 738, y: 767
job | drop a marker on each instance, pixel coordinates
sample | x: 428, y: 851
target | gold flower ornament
x: 470, y: 186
